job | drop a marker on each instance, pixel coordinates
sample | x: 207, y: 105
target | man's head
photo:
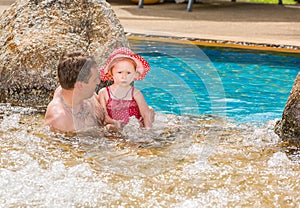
x: 74, y: 67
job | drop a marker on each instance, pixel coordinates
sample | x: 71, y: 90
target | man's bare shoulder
x: 54, y: 106
x: 56, y: 116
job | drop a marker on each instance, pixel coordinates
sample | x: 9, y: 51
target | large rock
x: 288, y: 129
x: 35, y: 33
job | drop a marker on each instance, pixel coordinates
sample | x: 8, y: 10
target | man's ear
x: 79, y: 85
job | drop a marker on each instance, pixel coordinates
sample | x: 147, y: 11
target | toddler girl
x: 121, y: 100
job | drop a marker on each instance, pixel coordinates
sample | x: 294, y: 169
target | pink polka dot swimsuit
x: 122, y: 109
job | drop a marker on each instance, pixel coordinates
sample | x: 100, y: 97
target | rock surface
x: 35, y: 33
x: 288, y: 129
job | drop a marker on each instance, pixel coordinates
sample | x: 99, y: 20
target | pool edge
x: 217, y: 43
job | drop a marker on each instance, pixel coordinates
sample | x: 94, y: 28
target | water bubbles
x: 184, y: 161
x: 59, y: 170
x: 58, y: 186
x: 10, y: 122
x: 197, y: 168
x: 279, y: 159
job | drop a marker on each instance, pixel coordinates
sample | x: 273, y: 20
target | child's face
x: 123, y: 72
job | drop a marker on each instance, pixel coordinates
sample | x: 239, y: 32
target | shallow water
x: 208, y: 147
x: 199, y: 161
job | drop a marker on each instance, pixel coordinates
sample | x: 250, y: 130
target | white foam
x: 59, y: 186
x: 279, y: 159
x: 10, y: 122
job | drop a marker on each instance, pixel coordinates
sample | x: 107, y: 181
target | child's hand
x: 118, y: 124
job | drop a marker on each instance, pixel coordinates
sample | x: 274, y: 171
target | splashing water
x: 168, y: 166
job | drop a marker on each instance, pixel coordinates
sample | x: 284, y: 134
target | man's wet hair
x: 73, y: 67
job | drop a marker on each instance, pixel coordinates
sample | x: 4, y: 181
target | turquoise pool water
x: 243, y: 85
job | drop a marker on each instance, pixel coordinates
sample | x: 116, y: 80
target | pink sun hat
x: 142, y: 66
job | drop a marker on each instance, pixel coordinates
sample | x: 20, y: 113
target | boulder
x: 35, y: 33
x: 288, y: 128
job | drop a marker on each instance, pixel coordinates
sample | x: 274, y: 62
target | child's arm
x: 144, y: 109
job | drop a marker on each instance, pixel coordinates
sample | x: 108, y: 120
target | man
x: 74, y: 105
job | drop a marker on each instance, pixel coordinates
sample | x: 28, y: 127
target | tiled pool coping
x: 217, y: 43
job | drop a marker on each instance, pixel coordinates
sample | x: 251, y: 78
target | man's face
x: 94, y: 80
